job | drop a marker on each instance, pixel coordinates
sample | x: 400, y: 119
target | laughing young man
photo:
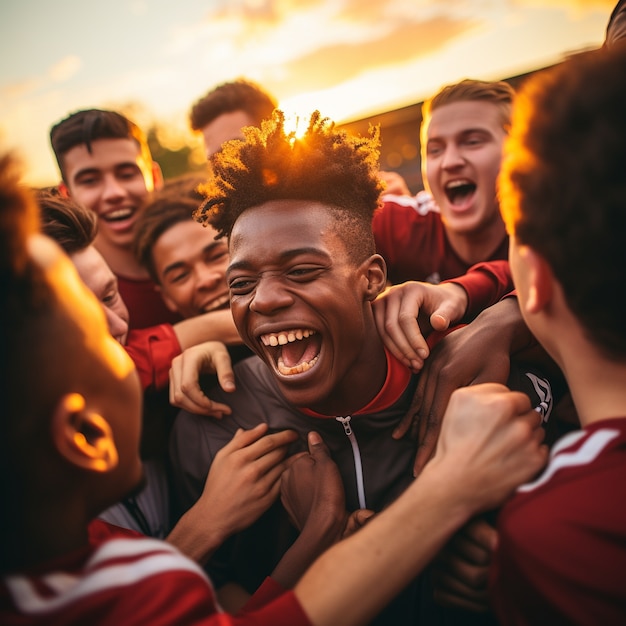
x: 106, y: 166
x: 303, y: 273
x: 464, y: 126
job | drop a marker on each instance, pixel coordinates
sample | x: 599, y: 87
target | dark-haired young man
x: 561, y: 552
x: 222, y: 112
x: 106, y: 166
x: 302, y: 276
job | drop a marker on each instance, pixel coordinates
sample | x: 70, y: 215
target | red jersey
x: 412, y: 239
x: 123, y: 578
x: 152, y: 350
x: 561, y: 555
x: 145, y: 304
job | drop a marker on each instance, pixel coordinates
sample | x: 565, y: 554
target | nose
x: 269, y: 296
x: 113, y: 188
x: 452, y: 157
x: 208, y: 277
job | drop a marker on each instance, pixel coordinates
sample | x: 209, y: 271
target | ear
x: 157, y: 176
x: 375, y: 271
x: 82, y: 437
x: 539, y: 280
x: 64, y: 191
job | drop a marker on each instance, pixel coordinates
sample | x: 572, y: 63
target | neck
x: 42, y: 534
x: 597, y: 387
x: 476, y: 247
x: 361, y: 384
x: 121, y: 260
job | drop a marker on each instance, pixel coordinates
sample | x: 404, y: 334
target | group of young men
x: 331, y: 381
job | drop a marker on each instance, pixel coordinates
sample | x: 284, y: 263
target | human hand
x: 405, y: 314
x: 476, y: 353
x: 311, y: 489
x: 185, y: 391
x: 490, y: 442
x: 460, y: 571
x: 356, y: 520
x: 244, y: 478
x: 394, y: 183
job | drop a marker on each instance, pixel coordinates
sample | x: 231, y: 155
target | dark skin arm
x: 313, y: 495
x: 476, y: 353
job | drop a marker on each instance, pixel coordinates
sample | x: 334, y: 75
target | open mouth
x: 459, y: 191
x: 118, y: 216
x: 294, y: 351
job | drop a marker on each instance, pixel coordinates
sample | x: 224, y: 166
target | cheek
x: 88, y: 198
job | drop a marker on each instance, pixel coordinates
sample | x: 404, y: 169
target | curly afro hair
x: 325, y: 165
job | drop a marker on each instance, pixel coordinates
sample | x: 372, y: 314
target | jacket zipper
x: 358, y: 466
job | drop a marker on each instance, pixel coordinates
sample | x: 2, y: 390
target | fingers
x: 396, y: 312
x: 224, y: 369
x: 185, y: 391
x: 317, y: 448
x: 461, y: 570
x: 403, y: 427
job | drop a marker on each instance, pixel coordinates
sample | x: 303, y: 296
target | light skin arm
x: 490, y: 443
x: 244, y: 480
x: 214, y: 326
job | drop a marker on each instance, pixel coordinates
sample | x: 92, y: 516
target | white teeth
x: 280, y: 339
x: 457, y: 183
x: 113, y: 215
x: 296, y: 369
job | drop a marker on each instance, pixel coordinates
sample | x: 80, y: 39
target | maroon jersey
x: 123, y: 578
x: 411, y: 238
x: 145, y: 304
x: 561, y: 555
x: 152, y: 350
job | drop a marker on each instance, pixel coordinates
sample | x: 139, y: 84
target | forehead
x: 105, y: 153
x: 182, y: 240
x: 457, y: 117
x: 279, y: 228
x: 224, y: 128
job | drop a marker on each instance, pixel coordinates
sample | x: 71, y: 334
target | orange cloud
x: 333, y: 64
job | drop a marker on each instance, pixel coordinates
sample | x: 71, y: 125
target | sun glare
x: 296, y: 124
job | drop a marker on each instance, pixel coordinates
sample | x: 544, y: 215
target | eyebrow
x: 462, y: 133
x: 97, y: 170
x: 287, y: 255
x: 178, y: 264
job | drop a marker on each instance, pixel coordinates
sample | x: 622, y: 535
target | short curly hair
x: 325, y: 165
x: 238, y: 95
x: 563, y: 188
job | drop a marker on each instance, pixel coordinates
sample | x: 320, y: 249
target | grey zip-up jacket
x: 375, y: 469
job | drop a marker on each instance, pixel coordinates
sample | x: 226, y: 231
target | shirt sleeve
x: 485, y: 284
x: 152, y: 350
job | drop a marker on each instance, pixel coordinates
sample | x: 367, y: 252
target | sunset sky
x: 347, y: 58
